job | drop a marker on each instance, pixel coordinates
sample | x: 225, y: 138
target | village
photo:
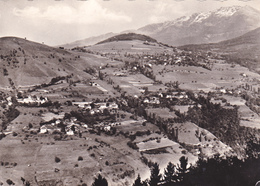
x: 148, y: 108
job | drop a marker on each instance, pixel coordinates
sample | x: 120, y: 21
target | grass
x: 161, y: 112
x: 128, y: 46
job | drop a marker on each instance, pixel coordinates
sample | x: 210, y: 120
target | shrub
x: 15, y: 134
x: 57, y: 159
x: 80, y: 158
x: 92, y: 155
x: 9, y: 182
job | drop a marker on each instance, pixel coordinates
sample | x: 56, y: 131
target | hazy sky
x: 57, y: 22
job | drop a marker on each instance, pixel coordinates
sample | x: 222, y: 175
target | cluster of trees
x: 90, y: 70
x: 213, y: 171
x: 223, y: 122
x: 172, y: 174
x: 52, y: 82
x: 100, y: 181
x: 85, y: 117
x: 8, y: 115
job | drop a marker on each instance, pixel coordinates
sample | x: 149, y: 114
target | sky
x: 57, y: 22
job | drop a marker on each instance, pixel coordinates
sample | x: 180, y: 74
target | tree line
x: 214, y: 171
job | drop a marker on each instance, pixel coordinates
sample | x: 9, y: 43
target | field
x: 198, y: 78
x: 135, y: 47
x: 36, y: 160
x: 163, y: 113
x: 132, y: 84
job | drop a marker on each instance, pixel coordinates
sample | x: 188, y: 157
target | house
x: 146, y: 100
x: 35, y: 99
x: 84, y: 104
x: 107, y: 128
x: 93, y: 84
x: 155, y: 100
x: 120, y: 74
x: 223, y: 91
x: 49, y: 129
x: 170, y: 96
x: 43, y: 129
x: 70, y: 132
x: 57, y: 122
x: 92, y: 112
x: 101, y: 106
x: 72, y: 128
x: 85, y: 126
x: 113, y: 106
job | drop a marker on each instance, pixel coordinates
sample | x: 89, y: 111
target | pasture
x: 197, y: 78
x: 161, y: 112
x: 131, y: 47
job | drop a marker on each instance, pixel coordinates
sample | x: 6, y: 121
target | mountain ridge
x: 205, y: 27
x: 214, y: 26
x: 244, y: 50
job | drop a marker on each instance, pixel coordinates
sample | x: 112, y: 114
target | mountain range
x: 222, y: 24
x: 206, y: 27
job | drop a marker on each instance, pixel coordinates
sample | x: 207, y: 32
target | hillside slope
x: 28, y: 63
x: 88, y: 41
x: 129, y: 37
x: 244, y: 49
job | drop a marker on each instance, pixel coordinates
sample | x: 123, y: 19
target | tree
x: 23, y: 180
x: 138, y: 181
x: 155, y: 177
x: 9, y: 182
x: 100, y: 181
x: 80, y: 158
x: 252, y: 147
x: 182, y: 168
x: 57, y: 159
x: 169, y: 172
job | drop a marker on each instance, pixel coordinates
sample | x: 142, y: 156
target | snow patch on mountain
x: 201, y: 17
x: 227, y: 11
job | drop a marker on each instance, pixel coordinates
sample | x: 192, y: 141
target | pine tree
x: 169, y: 173
x: 100, y: 181
x: 182, y: 168
x: 155, y: 177
x: 138, y: 181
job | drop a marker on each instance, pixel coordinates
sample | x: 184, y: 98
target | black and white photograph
x: 130, y: 92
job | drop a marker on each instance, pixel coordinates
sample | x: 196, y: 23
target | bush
x: 132, y: 145
x: 57, y: 159
x: 92, y: 155
x: 15, y: 134
x: 9, y: 182
x: 80, y: 158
